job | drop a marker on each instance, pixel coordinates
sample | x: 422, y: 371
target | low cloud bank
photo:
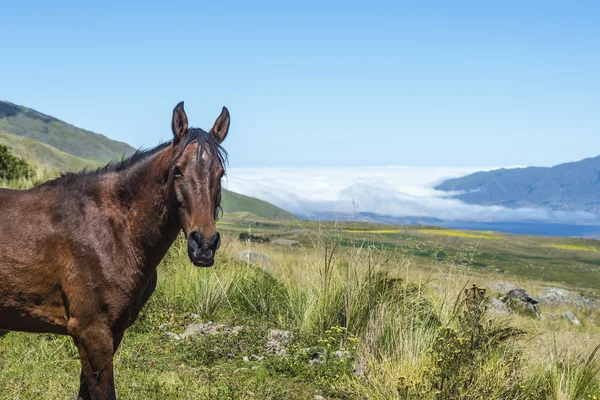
x: 390, y: 191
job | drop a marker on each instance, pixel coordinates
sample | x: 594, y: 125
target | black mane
x: 198, y: 135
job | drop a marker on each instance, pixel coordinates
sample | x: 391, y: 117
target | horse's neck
x: 152, y: 220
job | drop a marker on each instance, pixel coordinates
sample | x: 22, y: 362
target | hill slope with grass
x: 31, y: 124
x: 571, y: 186
x: 236, y: 203
x: 42, y: 154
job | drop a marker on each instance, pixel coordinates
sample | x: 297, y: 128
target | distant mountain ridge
x: 573, y: 186
x: 85, y: 145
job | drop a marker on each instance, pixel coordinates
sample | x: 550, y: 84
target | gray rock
x: 519, y: 298
x: 286, y: 242
x: 277, y: 341
x: 561, y: 297
x: 571, y: 317
x: 502, y: 287
x: 497, y: 306
x: 209, y: 328
x: 435, y: 287
x: 317, y: 397
x: 173, y: 335
x: 341, y: 354
x: 359, y: 369
x: 254, y: 257
x: 318, y: 358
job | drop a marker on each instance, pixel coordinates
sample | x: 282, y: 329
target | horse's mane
x: 203, y: 138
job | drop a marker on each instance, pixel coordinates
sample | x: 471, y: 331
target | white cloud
x: 392, y: 191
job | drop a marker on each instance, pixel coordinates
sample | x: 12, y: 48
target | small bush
x: 12, y: 167
x: 471, y: 358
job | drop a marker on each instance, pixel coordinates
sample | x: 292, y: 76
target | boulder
x: 553, y: 296
x: 520, y: 299
x: 254, y: 257
x: 255, y: 238
x: 497, y: 306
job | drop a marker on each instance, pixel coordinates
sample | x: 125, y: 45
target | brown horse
x: 78, y: 254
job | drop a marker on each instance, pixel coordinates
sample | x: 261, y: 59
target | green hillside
x: 43, y: 155
x: 234, y: 202
x: 28, y: 123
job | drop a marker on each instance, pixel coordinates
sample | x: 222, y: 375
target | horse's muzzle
x: 201, y: 251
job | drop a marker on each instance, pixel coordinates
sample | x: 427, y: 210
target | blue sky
x: 320, y: 84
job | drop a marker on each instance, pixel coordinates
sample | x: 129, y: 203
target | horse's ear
x: 179, y: 123
x: 221, y: 127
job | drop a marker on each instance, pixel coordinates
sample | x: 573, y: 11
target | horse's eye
x: 177, y: 172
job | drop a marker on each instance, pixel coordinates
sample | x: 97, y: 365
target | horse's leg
x: 84, y: 392
x: 96, y: 347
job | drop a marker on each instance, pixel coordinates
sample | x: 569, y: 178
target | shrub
x: 12, y: 167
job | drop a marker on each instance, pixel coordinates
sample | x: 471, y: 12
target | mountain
x: 573, y: 186
x: 86, y: 146
x: 235, y: 203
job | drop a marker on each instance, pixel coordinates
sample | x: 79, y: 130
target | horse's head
x: 196, y: 172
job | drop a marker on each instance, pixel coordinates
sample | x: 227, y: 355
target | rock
x: 519, y: 298
x: 254, y: 238
x: 341, y: 354
x: 571, y: 317
x: 173, y: 335
x: 286, y: 242
x: 318, y: 358
x: 561, y: 297
x: 497, y: 306
x: 254, y: 257
x: 435, y: 287
x: 209, y: 328
x: 359, y: 369
x: 317, y: 397
x: 191, y: 315
x: 502, y: 287
x: 277, y: 341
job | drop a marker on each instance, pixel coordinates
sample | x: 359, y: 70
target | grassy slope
x: 78, y: 142
x: 235, y: 203
x: 43, y: 155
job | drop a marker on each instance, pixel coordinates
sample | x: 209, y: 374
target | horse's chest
x: 136, y: 301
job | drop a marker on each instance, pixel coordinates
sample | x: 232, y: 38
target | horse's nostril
x: 216, y: 241
x: 194, y: 240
